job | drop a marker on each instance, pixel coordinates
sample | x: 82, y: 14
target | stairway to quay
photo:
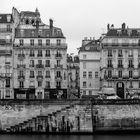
x: 69, y: 116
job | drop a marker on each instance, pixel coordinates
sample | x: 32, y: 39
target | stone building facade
x: 6, y: 28
x: 120, y: 60
x: 40, y: 57
x: 89, y: 56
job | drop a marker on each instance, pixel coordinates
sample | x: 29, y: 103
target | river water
x: 69, y: 137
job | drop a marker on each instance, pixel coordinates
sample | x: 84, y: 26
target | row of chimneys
x: 112, y: 26
x: 51, y: 24
x: 91, y: 38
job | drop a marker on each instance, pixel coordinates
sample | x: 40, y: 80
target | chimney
x: 123, y: 26
x: 37, y: 23
x: 108, y: 27
x: 51, y: 23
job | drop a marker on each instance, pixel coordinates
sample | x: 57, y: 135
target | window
x: 130, y: 53
x: 84, y: 56
x: 47, y: 42
x: 84, y: 74
x: 58, y: 41
x: 39, y: 53
x: 90, y: 74
x: 40, y: 42
x: 109, y: 52
x: 47, y: 74
x: 39, y: 62
x: 109, y: 63
x: 39, y: 83
x: 120, y: 74
x: 119, y: 63
x: 58, y: 74
x: 33, y: 33
x: 84, y: 65
x: 84, y: 92
x: 47, y: 84
x: 40, y: 73
x: 131, y: 84
x: 31, y: 74
x: 47, y: 63
x: 8, y: 82
x: 120, y: 53
x: 84, y: 84
x: 8, y: 28
x: 7, y: 93
x: 21, y: 42
x: 47, y: 53
x: 32, y: 63
x: 139, y: 84
x: 130, y: 63
x: 21, y: 73
x: 90, y: 92
x: 58, y: 62
x: 39, y: 33
x: 32, y: 21
x: 96, y: 74
x: 58, y: 84
x: 32, y: 53
x: 27, y: 21
x: 21, y: 84
x: 130, y: 74
x: 32, y: 42
x: 109, y: 73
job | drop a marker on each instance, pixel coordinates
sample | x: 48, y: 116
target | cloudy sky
x: 80, y: 18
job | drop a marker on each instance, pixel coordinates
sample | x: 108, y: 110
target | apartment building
x: 6, y: 27
x: 40, y: 59
x: 120, y: 60
x: 89, y: 56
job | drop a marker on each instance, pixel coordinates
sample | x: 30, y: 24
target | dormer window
x: 27, y: 21
x: 32, y: 21
x: 8, y: 18
x: 33, y: 33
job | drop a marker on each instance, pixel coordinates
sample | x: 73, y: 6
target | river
x: 70, y: 137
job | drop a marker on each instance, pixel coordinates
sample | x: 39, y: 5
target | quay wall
x: 84, y: 116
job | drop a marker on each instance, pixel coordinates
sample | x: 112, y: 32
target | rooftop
x: 122, y: 32
x: 5, y: 18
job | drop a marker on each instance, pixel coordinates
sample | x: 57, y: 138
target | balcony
x: 39, y: 55
x: 58, y: 77
x: 58, y: 66
x: 109, y: 55
x: 21, y: 56
x: 58, y: 55
x: 21, y: 77
x: 130, y: 66
x: 5, y: 30
x: 125, y: 77
x: 32, y: 55
x: 32, y: 66
x: 130, y: 56
x: 39, y: 66
x: 120, y: 66
x: 32, y: 76
x: 47, y: 65
x: 47, y: 55
x: 114, y: 77
x: 7, y: 86
x: 5, y: 52
x: 58, y: 87
x: 21, y: 66
x: 47, y: 76
x: 120, y: 55
x: 110, y: 66
x: 136, y: 77
x: 39, y: 77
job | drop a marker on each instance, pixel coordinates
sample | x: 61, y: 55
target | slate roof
x: 92, y: 46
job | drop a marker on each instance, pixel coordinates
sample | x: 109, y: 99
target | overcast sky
x: 80, y: 18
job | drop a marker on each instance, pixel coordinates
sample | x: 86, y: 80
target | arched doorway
x: 120, y: 89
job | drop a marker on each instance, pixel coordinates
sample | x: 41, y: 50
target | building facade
x: 6, y: 28
x: 73, y: 76
x: 89, y: 56
x: 120, y: 60
x: 39, y: 58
